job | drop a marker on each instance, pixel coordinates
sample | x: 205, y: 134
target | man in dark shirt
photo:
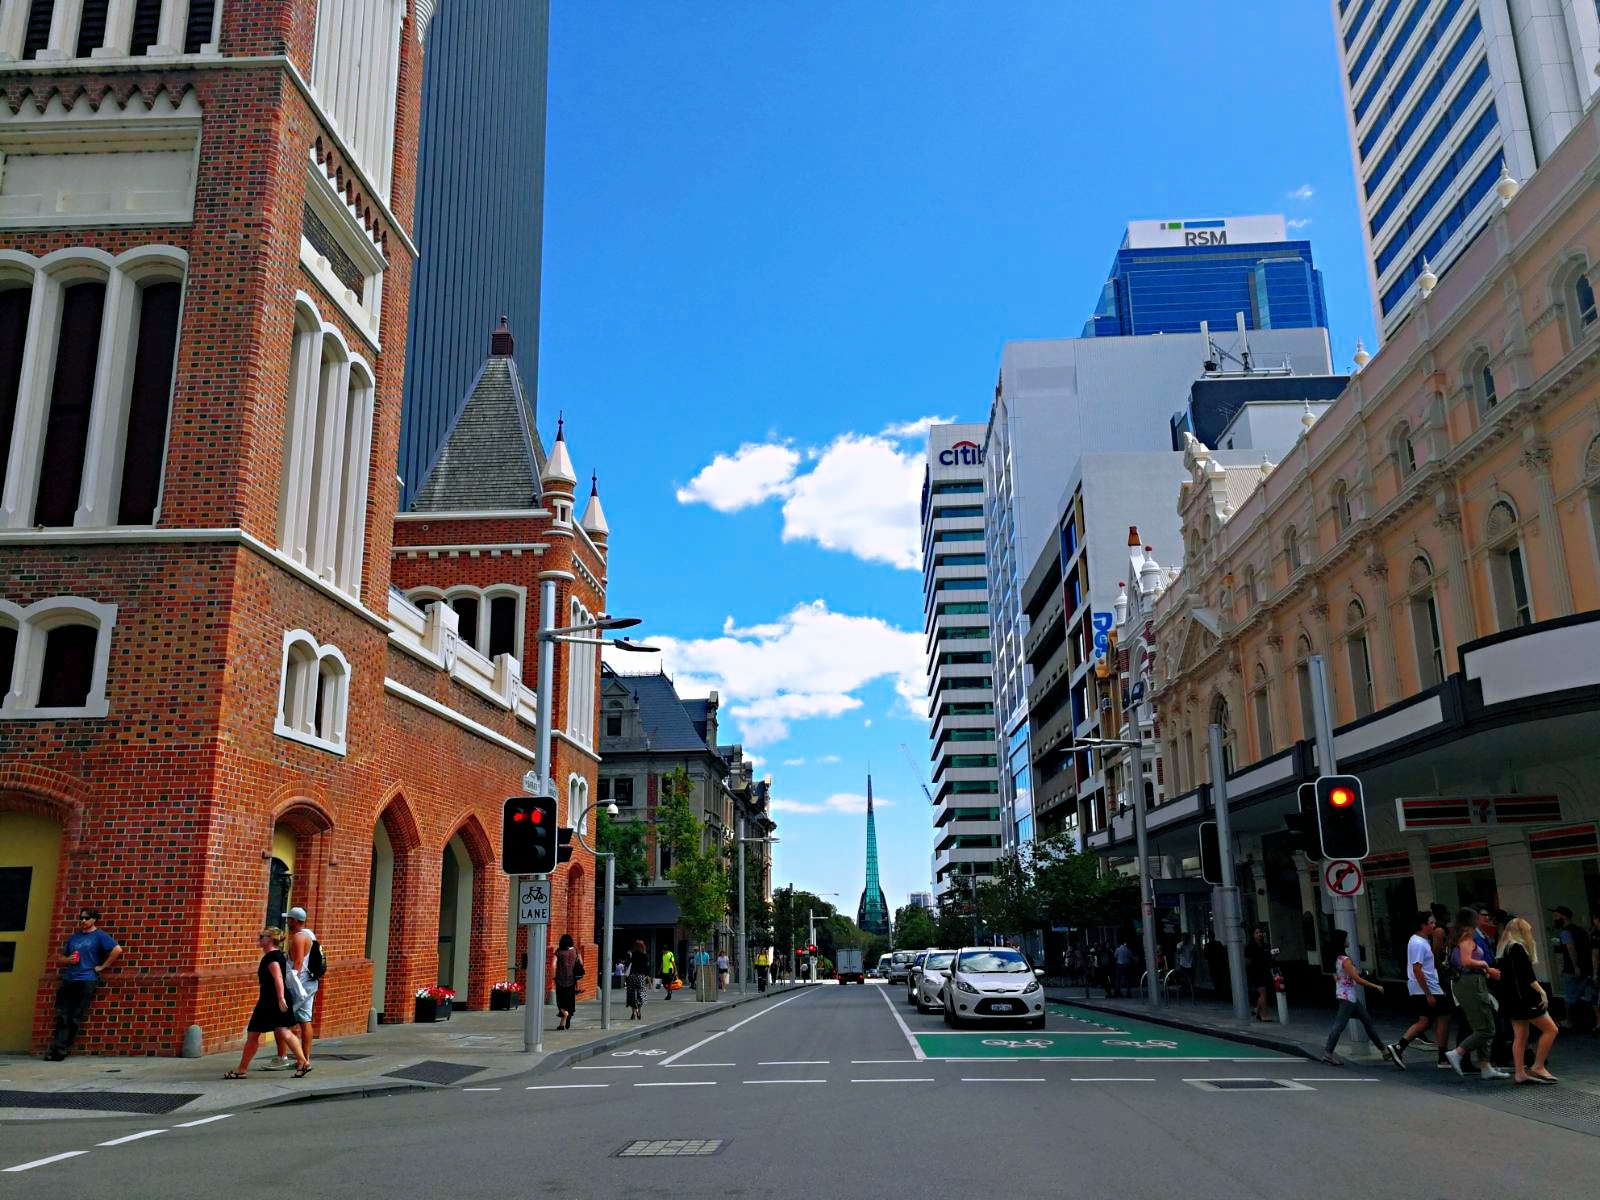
x: 87, y: 954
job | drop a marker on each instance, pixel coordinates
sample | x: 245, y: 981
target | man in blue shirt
x: 87, y: 954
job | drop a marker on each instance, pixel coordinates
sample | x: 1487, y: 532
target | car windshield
x: 917, y: 962
x: 994, y: 962
x: 938, y: 962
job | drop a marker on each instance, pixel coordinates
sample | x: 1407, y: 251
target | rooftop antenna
x: 1210, y: 365
x: 1244, y: 341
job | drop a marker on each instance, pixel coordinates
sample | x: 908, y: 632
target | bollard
x: 1283, y: 1008
x: 193, y: 1043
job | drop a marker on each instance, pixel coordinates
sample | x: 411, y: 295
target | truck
x: 847, y: 967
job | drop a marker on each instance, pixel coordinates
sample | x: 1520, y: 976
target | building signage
x: 1104, y: 622
x: 963, y: 454
x: 1464, y: 812
x: 1207, y: 231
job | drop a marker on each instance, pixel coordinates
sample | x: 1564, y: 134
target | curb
x: 1282, y: 1045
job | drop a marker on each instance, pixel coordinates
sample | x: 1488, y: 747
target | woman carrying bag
x: 1525, y: 1002
x: 569, y: 969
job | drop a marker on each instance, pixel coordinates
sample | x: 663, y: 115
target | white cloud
x: 917, y: 428
x: 828, y: 758
x: 1298, y: 222
x: 794, y: 762
x: 839, y: 802
x: 753, y: 473
x: 1304, y: 192
x: 807, y: 664
x: 796, y: 806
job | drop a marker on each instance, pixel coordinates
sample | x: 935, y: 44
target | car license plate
x: 1000, y: 1006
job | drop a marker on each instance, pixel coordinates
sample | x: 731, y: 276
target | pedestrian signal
x: 564, y: 844
x: 528, y: 835
x: 1341, y: 817
x: 1210, y: 854
x: 1302, y: 825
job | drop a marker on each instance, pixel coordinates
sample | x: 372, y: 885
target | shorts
x: 303, y: 1008
x: 1441, y: 1006
x: 1575, y: 989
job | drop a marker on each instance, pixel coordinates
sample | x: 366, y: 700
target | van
x: 900, y: 965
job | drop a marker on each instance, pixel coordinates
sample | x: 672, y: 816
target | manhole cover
x: 1249, y: 1085
x: 672, y: 1148
x: 432, y: 1071
x: 132, y: 1102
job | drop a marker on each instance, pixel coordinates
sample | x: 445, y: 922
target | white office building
x: 955, y: 602
x: 1441, y: 96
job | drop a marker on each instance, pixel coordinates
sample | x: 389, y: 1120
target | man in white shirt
x: 301, y: 990
x: 1429, y: 1004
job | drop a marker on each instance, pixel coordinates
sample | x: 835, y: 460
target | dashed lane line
x: 563, y: 1087
x: 44, y: 1162
x: 682, y: 1083
x: 667, y: 1062
x: 480, y: 1089
x: 796, y: 1062
x: 1109, y: 1079
x: 612, y: 1067
x: 693, y: 1066
x: 132, y: 1137
x: 1002, y: 1079
x: 203, y: 1121
x: 896, y: 1080
x: 784, y: 1081
x: 878, y: 1062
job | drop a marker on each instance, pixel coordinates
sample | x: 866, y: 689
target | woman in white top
x: 1347, y: 985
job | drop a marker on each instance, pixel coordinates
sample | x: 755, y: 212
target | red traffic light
x: 536, y: 816
x: 1341, y: 797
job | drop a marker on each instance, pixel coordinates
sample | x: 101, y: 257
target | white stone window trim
x: 366, y: 310
x: 581, y: 670
x: 297, y: 695
x: 33, y: 622
x: 355, y: 75
x: 323, y: 502
x: 113, y: 381
x: 578, y: 802
x: 421, y: 597
x: 67, y: 18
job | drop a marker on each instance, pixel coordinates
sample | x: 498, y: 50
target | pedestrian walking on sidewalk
x: 305, y: 976
x: 272, y: 1011
x: 569, y: 969
x: 1347, y: 987
x: 763, y: 966
x: 87, y: 954
x: 638, y: 980
x: 1258, y: 970
x: 669, y: 971
x: 722, y: 971
x: 1525, y: 1002
x: 1429, y: 1003
x: 1577, y: 991
x: 1472, y: 995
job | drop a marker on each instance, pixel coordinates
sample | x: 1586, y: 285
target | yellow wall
x: 28, y: 841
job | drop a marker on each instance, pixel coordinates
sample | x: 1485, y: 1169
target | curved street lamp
x: 611, y: 892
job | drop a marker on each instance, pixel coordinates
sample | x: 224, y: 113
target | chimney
x: 500, y: 345
x: 1133, y: 535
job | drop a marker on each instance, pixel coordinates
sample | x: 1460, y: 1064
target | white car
x: 911, y: 975
x: 930, y: 980
x: 992, y: 983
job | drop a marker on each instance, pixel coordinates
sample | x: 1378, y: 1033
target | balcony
x: 1050, y: 622
x: 1050, y: 674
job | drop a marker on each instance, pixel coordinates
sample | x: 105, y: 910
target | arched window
x: 1291, y: 548
x: 1508, y: 574
x: 313, y: 694
x: 1359, y: 655
x: 1591, y: 475
x: 1261, y: 700
x: 1341, y: 506
x: 582, y: 666
x: 1574, y: 293
x: 1488, y: 393
x: 1251, y: 599
x: 1404, y: 451
x: 1583, y: 298
x: 55, y: 658
x: 1221, y: 717
x: 1425, y: 629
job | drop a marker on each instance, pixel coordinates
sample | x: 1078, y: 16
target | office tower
x: 479, y: 212
x: 955, y: 601
x: 873, y: 914
x: 1442, y: 97
x: 1168, y: 276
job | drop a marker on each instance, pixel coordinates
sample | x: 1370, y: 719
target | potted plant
x: 505, y: 996
x: 433, y: 1004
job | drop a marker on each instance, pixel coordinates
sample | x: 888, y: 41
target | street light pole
x: 610, y: 909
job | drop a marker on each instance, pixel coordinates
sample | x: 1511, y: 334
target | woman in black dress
x: 1523, y: 1001
x: 569, y: 969
x: 638, y: 980
x: 1258, y: 970
x: 272, y: 1013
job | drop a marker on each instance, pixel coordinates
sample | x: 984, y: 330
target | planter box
x: 429, y: 1011
x: 503, y: 1001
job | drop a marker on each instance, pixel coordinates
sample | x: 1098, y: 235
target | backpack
x: 316, y: 964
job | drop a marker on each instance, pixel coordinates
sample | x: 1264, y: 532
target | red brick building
x: 219, y: 699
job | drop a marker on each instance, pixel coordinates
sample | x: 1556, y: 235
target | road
x: 846, y: 1091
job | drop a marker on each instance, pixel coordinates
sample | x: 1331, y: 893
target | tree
x: 1073, y: 891
x: 914, y: 928
x: 699, y: 876
x: 629, y: 842
x: 1008, y: 901
x: 757, y: 909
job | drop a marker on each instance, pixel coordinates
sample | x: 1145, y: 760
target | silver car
x: 992, y: 983
x: 911, y: 975
x: 930, y: 980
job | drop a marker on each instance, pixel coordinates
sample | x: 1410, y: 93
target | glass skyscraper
x: 1168, y: 276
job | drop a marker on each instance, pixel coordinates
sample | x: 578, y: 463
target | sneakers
x: 277, y: 1064
x: 1493, y: 1073
x: 1395, y: 1053
x: 1453, y: 1057
x: 1442, y: 1065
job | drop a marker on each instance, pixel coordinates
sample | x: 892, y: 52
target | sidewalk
x: 471, y: 1048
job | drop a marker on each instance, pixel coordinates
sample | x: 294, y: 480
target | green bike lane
x: 1080, y: 1035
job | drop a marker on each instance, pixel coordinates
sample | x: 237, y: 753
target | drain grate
x: 131, y: 1102
x: 1558, y: 1101
x: 1248, y: 1085
x: 433, y: 1071
x: 672, y: 1148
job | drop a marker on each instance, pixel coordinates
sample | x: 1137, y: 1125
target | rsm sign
x: 962, y: 454
x: 1209, y: 231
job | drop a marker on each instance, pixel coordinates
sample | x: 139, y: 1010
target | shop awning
x: 650, y: 909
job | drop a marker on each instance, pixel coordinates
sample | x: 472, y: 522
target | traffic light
x: 1210, y: 854
x: 1303, y: 824
x: 564, y: 844
x: 528, y: 835
x: 1341, y: 817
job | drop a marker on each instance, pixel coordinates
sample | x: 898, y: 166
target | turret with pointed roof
x: 873, y: 914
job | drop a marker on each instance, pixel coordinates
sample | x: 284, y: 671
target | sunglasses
x: 85, y: 917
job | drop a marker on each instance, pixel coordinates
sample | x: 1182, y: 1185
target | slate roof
x: 665, y: 719
x: 492, y: 457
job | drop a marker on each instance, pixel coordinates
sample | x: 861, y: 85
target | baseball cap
x: 297, y: 914
x: 1563, y: 910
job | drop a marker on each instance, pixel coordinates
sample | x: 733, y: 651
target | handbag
x: 577, y: 969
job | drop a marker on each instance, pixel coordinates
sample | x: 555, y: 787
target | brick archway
x: 403, y: 956
x: 486, y: 953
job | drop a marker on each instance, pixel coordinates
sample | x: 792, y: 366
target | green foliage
x: 757, y: 908
x: 913, y: 929
x: 1044, y: 884
x: 699, y: 876
x: 629, y: 842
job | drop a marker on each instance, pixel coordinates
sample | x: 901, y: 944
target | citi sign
x: 962, y: 454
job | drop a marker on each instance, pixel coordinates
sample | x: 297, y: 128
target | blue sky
x: 778, y: 235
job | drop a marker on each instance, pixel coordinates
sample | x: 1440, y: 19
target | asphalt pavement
x: 848, y: 1090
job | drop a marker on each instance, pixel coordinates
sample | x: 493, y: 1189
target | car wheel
x: 949, y: 1017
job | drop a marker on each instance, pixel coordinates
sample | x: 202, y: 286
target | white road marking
x: 900, y: 1080
x: 692, y: 1066
x: 683, y: 1083
x: 613, y: 1067
x: 562, y: 1087
x: 1053, y: 1032
x: 1001, y: 1079
x: 874, y: 1062
x: 785, y: 1081
x: 132, y: 1137
x: 42, y: 1162
x: 204, y: 1121
x: 1108, y: 1079
x: 667, y: 1062
x: 796, y: 1062
x: 480, y: 1089
x: 1330, y: 1079
x: 916, y: 1050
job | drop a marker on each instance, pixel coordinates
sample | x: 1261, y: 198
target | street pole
x: 973, y: 878
x: 606, y: 946
x: 1344, y: 907
x: 539, y: 935
x: 1141, y: 834
x: 739, y: 950
x: 1228, y: 911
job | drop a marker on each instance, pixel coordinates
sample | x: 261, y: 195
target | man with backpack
x: 307, y: 966
x: 1575, y: 958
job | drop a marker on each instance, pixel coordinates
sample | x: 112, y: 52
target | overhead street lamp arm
x: 602, y: 978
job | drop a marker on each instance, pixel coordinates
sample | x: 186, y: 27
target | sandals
x: 302, y: 1072
x: 1543, y: 1077
x: 234, y: 1075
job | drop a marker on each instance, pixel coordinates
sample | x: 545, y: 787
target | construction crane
x: 917, y: 771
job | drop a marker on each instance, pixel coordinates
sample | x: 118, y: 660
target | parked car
x: 900, y: 965
x: 992, y: 983
x: 882, y: 969
x: 928, y: 994
x: 911, y: 975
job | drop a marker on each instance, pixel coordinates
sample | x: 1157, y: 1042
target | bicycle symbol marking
x: 626, y: 1053
x: 534, y: 894
x: 1153, y: 1044
x: 1024, y: 1044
